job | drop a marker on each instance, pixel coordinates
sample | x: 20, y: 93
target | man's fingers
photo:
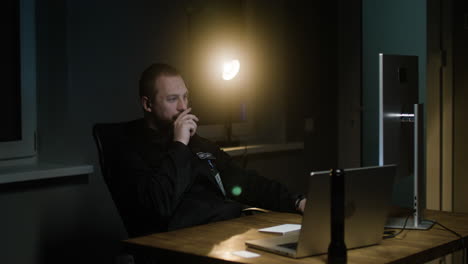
x: 192, y: 124
x: 184, y: 113
x: 186, y: 116
x: 192, y: 127
x: 189, y: 123
x: 193, y: 131
x: 189, y: 117
x: 187, y: 111
x: 184, y: 123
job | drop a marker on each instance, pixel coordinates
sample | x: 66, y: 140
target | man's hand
x: 185, y: 126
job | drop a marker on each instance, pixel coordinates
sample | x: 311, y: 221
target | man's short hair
x: 149, y: 76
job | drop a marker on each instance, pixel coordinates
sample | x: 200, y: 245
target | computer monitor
x: 401, y: 129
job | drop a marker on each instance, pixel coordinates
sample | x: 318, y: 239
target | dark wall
x: 279, y: 166
x: 319, y: 72
x: 311, y: 65
x: 460, y: 108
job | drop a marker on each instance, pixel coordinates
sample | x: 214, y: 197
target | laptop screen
x: 368, y: 192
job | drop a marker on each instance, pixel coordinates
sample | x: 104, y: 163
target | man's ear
x: 146, y: 104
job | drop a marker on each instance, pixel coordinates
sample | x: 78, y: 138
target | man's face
x: 170, y: 100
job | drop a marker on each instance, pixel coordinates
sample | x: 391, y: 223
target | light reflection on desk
x: 234, y: 243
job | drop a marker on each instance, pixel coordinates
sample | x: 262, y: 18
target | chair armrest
x: 254, y: 210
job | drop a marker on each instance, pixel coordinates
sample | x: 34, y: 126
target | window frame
x: 25, y: 149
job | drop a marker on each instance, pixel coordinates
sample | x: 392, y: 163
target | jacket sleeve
x: 252, y: 189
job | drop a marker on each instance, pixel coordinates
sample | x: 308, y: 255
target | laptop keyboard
x: 289, y: 245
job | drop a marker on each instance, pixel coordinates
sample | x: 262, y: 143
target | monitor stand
x: 415, y: 221
x: 399, y: 222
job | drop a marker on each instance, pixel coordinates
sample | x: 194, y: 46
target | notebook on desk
x: 368, y: 194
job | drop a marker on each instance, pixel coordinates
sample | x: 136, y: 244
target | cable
x: 456, y: 234
x: 401, y: 230
x: 435, y: 223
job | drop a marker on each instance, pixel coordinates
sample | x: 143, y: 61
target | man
x: 170, y: 178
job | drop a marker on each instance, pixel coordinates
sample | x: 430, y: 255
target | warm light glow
x: 230, y: 69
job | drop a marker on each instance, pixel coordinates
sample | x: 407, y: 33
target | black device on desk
x: 337, y: 253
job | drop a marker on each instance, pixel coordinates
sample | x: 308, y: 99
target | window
x: 18, y: 73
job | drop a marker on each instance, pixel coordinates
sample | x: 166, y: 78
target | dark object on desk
x: 337, y: 253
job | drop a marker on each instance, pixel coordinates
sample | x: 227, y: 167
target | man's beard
x: 165, y: 126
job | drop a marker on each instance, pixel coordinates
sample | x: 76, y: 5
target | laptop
x: 368, y: 193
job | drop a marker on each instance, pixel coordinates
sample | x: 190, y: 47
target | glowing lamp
x: 230, y: 69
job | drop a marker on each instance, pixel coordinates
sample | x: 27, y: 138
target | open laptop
x: 368, y: 193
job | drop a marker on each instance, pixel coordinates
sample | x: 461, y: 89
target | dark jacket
x: 163, y: 185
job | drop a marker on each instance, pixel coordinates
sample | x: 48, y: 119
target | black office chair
x: 108, y: 137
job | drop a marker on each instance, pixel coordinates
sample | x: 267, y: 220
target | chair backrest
x: 107, y: 137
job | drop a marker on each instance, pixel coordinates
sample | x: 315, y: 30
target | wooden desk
x: 213, y: 243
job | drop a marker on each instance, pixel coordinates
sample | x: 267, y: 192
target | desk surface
x: 217, y: 240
